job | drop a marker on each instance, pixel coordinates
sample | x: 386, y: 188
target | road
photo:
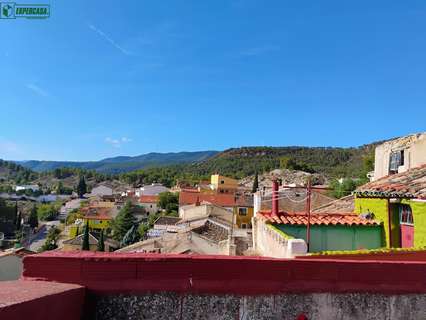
x: 38, y: 239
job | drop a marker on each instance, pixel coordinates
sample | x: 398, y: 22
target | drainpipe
x: 275, y: 208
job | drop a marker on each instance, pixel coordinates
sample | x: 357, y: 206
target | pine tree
x: 101, y: 243
x: 255, y: 183
x: 33, y: 218
x: 123, y: 222
x: 81, y: 187
x: 85, y: 245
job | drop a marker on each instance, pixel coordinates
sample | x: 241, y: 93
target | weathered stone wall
x: 290, y: 306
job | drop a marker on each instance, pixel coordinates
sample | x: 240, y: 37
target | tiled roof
x: 301, y: 219
x: 148, y: 199
x: 345, y: 204
x: 212, y: 231
x: 219, y: 199
x: 96, y: 213
x: 409, y: 184
x: 78, y: 241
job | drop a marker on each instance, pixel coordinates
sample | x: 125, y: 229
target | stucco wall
x: 325, y: 238
x: 10, y: 267
x: 380, y: 209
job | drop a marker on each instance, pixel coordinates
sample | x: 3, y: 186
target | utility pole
x: 308, y: 212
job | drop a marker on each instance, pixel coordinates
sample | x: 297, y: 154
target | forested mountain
x: 122, y: 164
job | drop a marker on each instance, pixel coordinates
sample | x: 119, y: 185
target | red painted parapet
x: 40, y: 300
x: 409, y: 255
x: 140, y: 273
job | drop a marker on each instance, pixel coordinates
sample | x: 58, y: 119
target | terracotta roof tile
x: 318, y: 219
x: 409, y: 184
x: 148, y: 199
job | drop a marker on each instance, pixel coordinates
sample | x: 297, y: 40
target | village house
x: 76, y: 243
x: 149, y: 203
x: 151, y: 190
x: 399, y: 155
x: 281, y: 234
x: 399, y: 200
x: 32, y: 187
x: 213, y: 236
x: 101, y: 190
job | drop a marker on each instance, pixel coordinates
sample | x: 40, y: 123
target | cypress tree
x: 101, y: 243
x: 85, y: 245
x: 255, y: 183
x: 81, y: 187
x: 33, y: 218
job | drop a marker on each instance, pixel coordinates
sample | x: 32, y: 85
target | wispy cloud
x: 117, y: 143
x: 37, y: 90
x: 255, y: 51
x: 109, y: 39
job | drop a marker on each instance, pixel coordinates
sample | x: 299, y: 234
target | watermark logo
x: 12, y: 10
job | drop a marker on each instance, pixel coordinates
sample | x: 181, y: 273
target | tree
x: 18, y: 221
x: 81, y: 187
x: 85, y: 245
x: 47, y: 212
x: 33, y: 218
x: 123, y: 222
x: 168, y: 201
x: 101, y: 243
x: 51, y: 239
x: 255, y: 183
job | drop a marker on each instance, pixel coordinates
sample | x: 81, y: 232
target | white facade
x: 399, y: 155
x: 151, y: 190
x: 32, y: 187
x: 150, y: 207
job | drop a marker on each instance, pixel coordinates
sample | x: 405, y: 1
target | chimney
x: 197, y: 203
x: 275, y: 208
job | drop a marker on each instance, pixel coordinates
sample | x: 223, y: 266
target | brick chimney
x: 275, y: 207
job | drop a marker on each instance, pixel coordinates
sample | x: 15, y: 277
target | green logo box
x: 12, y: 10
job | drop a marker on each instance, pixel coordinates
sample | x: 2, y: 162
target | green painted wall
x: 380, y: 209
x: 327, y: 238
x: 419, y: 216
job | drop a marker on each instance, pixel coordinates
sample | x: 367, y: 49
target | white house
x: 101, y: 190
x: 32, y: 187
x: 151, y: 190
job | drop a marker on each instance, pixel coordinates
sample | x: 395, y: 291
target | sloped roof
x: 301, y: 219
x: 345, y: 204
x: 78, y: 241
x: 148, y: 199
x: 409, y: 184
x: 167, y: 220
x: 219, y: 199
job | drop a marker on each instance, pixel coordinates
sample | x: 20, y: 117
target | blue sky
x: 105, y: 78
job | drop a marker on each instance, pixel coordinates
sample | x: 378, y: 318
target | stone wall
x: 168, y: 306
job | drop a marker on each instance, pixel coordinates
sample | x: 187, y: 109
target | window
x: 244, y: 225
x: 242, y: 211
x: 396, y: 159
x: 222, y: 182
x: 405, y: 214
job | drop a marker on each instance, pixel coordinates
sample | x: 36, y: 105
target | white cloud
x: 109, y: 39
x: 37, y: 90
x: 116, y: 143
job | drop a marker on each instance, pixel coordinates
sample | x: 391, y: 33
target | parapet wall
x: 156, y: 286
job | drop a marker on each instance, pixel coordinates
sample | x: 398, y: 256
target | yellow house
x: 223, y: 184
